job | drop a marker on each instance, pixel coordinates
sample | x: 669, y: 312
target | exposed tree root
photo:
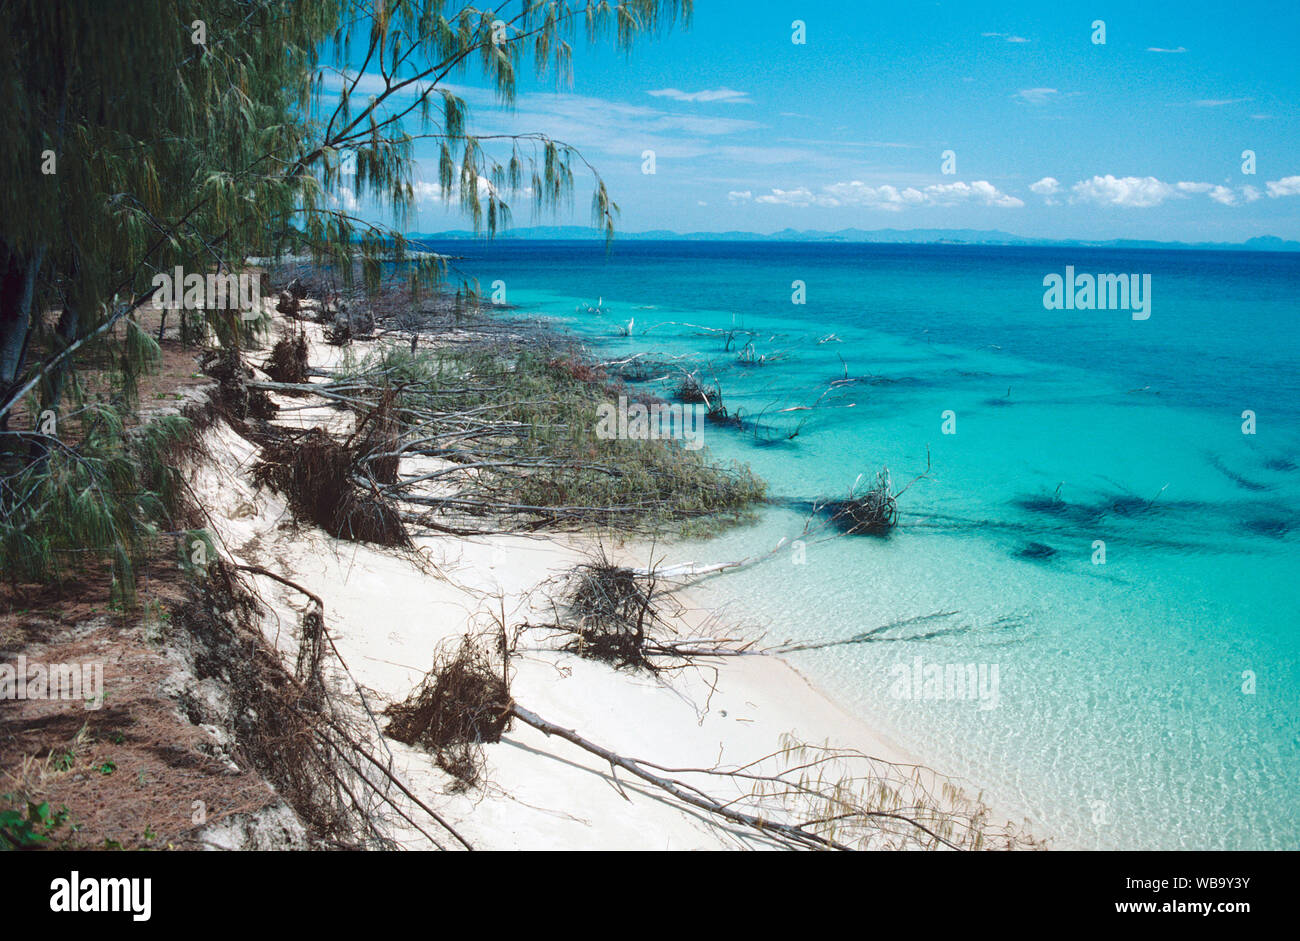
x: 462, y: 702
x: 288, y: 359
x: 319, y: 476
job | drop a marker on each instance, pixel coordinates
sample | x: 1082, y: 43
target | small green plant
x: 108, y: 767
x: 156, y: 620
x: 31, y: 828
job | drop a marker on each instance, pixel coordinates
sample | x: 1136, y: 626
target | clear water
x: 1124, y: 717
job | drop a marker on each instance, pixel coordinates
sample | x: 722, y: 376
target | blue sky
x: 1053, y: 134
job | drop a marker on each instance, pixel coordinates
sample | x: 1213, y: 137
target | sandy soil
x: 386, y: 612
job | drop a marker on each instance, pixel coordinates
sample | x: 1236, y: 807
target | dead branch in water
x: 873, y: 511
x: 692, y: 390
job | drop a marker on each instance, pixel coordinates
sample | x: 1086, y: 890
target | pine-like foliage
x: 141, y: 137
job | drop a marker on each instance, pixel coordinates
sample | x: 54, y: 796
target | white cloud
x: 428, y: 192
x: 1220, y: 194
x: 1158, y: 49
x: 346, y: 199
x: 1144, y: 192
x: 1006, y: 37
x: 1219, y: 102
x: 740, y: 196
x: 1047, y: 188
x: 1036, y: 96
x: 1128, y: 191
x: 891, y: 198
x: 1287, y: 186
x: 727, y: 95
x: 797, y: 197
x: 980, y: 191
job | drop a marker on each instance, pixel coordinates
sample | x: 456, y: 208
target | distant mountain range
x: 1260, y: 243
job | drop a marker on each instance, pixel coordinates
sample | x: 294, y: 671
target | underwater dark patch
x: 1036, y: 551
x: 1080, y: 513
x: 1236, y: 478
x: 1271, y: 527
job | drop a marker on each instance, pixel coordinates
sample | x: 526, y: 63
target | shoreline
x: 385, y: 616
x: 860, y: 731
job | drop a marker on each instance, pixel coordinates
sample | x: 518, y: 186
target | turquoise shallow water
x: 1124, y: 714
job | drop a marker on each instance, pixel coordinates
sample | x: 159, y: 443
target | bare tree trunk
x: 786, y: 833
x: 17, y: 285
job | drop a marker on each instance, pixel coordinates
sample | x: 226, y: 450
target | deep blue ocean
x: 1148, y: 701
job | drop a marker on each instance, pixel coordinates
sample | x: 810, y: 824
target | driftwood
x: 288, y: 360
x: 683, y: 792
x: 890, y: 796
x: 324, y: 483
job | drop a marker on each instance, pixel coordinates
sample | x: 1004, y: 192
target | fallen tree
x: 800, y: 797
x: 464, y: 701
x: 513, y: 429
x: 320, y: 476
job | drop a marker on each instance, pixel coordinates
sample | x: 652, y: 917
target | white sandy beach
x: 385, y: 613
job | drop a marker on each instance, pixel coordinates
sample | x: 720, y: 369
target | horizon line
x: 995, y: 236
